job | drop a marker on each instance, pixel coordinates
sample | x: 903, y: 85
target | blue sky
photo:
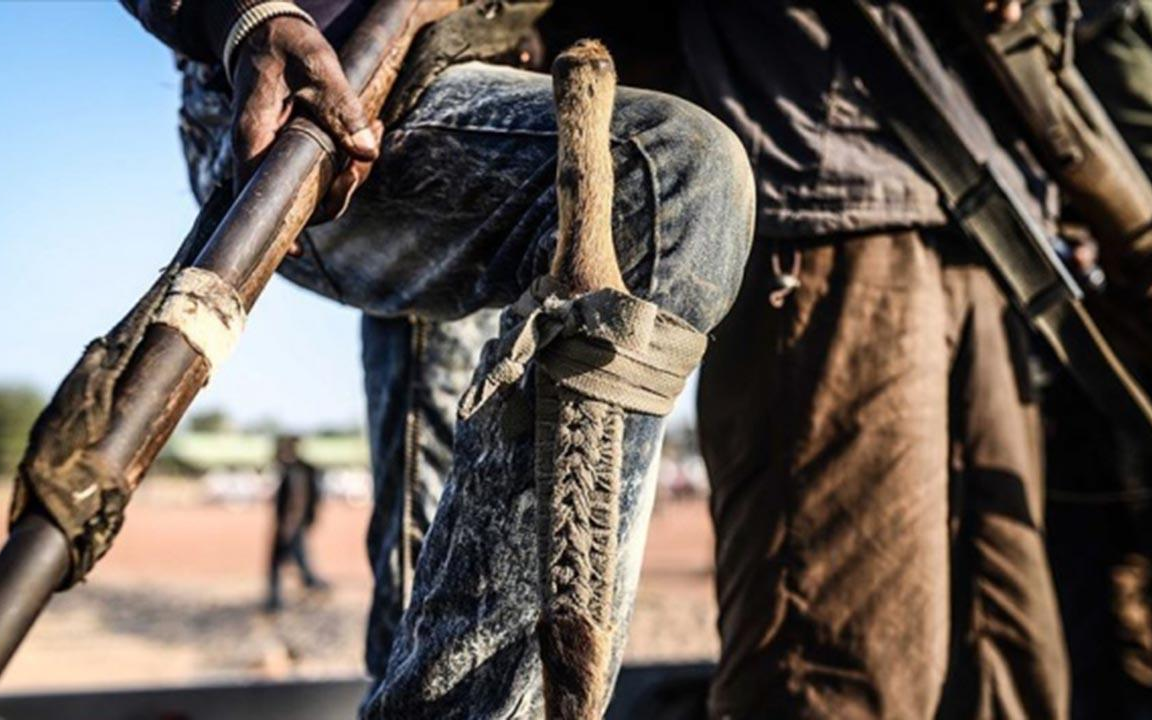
x: 93, y: 201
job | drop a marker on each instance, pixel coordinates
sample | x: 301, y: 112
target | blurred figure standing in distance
x: 297, y: 498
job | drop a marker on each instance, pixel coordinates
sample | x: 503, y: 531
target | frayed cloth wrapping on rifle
x: 605, y: 345
x: 62, y: 471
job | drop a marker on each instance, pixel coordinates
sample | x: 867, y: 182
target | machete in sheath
x: 990, y: 213
x: 596, y: 353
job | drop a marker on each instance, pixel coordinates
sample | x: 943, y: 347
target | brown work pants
x: 1100, y: 546
x: 827, y: 430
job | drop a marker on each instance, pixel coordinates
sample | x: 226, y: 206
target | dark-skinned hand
x: 284, y: 66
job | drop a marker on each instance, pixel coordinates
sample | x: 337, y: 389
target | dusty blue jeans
x: 415, y: 372
x: 459, y: 214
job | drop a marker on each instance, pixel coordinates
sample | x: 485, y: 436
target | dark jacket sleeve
x: 196, y: 28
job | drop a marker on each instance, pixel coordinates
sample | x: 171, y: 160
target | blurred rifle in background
x: 1031, y: 63
x: 1078, y: 145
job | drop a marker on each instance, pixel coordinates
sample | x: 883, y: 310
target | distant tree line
x: 19, y: 407
x: 211, y: 421
x: 216, y: 420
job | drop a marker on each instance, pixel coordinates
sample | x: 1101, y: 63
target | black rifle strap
x: 988, y: 211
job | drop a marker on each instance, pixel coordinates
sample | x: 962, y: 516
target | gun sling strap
x: 987, y: 210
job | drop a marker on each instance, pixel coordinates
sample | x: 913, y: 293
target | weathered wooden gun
x: 117, y: 408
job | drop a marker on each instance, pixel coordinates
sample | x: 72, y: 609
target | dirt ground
x: 178, y: 599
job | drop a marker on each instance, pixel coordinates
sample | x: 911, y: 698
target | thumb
x: 332, y: 103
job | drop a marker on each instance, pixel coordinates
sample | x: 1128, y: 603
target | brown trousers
x: 1100, y: 546
x: 827, y: 430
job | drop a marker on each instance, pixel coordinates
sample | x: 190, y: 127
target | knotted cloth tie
x: 605, y: 345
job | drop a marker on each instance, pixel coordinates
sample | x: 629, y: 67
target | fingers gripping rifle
x: 110, y: 417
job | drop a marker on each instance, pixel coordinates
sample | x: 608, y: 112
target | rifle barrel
x: 32, y: 565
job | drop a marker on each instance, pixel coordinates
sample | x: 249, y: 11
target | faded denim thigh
x: 459, y: 213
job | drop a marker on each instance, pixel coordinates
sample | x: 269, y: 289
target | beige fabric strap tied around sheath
x: 207, y: 311
x: 605, y: 345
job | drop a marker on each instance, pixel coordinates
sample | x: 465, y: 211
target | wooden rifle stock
x: 165, y: 373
